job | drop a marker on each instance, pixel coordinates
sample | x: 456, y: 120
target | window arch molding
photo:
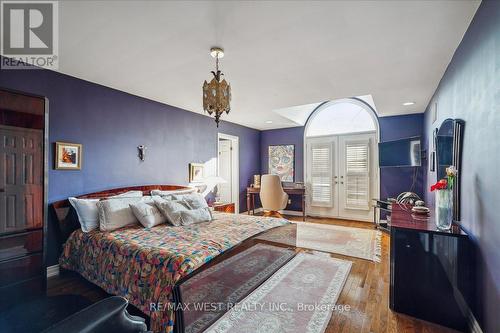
x: 329, y: 104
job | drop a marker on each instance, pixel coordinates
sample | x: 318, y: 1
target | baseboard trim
x: 257, y: 210
x: 52, y: 271
x: 299, y: 213
x: 291, y: 212
x: 284, y: 212
x: 368, y: 220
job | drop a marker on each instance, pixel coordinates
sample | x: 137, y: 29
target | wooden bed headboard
x: 68, y: 220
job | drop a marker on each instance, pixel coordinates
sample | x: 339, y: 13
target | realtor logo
x: 29, y: 34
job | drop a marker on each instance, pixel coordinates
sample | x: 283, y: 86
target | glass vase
x: 444, y: 209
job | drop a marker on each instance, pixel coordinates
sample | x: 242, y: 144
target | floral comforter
x: 143, y: 265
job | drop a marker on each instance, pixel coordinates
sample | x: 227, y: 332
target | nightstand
x: 224, y: 207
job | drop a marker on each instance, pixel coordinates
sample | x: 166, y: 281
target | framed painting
x: 68, y: 156
x: 282, y: 162
x: 196, y: 172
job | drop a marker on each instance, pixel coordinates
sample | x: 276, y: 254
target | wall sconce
x: 142, y: 152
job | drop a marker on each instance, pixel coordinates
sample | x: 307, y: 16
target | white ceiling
x: 278, y: 54
x: 298, y: 114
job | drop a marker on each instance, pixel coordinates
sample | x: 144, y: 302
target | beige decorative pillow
x: 116, y: 213
x: 147, y: 213
x: 88, y: 213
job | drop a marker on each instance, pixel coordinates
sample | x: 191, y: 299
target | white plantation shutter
x: 357, y: 181
x: 321, y: 175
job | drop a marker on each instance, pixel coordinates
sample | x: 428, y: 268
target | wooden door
x: 21, y: 178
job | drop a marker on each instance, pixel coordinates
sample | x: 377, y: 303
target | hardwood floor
x: 366, y: 292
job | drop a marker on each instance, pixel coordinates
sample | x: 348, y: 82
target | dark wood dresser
x: 432, y: 271
x: 22, y: 195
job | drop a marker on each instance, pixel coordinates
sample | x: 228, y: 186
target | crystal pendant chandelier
x: 217, y: 93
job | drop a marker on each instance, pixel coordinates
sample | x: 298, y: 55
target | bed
x: 144, y: 265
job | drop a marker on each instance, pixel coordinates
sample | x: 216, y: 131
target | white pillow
x: 116, y: 213
x: 194, y: 200
x: 179, y: 213
x: 87, y: 211
x: 171, y: 209
x: 170, y: 192
x: 195, y: 216
x: 129, y: 194
x: 147, y: 213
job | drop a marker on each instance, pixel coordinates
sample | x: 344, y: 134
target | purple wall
x: 285, y: 136
x: 392, y: 180
x: 469, y: 90
x: 396, y: 180
x: 111, y: 124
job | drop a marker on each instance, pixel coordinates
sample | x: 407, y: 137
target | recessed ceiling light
x: 269, y: 121
x: 408, y: 103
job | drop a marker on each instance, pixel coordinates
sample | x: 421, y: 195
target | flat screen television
x: 400, y: 153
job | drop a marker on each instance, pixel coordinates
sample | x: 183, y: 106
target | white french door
x: 342, y: 175
x: 322, y: 176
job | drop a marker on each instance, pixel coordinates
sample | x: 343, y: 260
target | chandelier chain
x: 217, y: 63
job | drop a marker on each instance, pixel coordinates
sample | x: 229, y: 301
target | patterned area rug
x: 300, y: 297
x: 209, y: 294
x: 354, y: 242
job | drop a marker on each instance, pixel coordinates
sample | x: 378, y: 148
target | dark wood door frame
x: 45, y: 171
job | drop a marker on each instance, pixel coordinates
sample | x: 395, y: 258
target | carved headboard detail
x: 66, y: 215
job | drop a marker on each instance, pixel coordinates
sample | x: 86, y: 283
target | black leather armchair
x: 108, y: 315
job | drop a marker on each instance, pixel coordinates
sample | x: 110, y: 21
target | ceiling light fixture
x: 217, y: 93
x: 408, y: 103
x: 269, y: 121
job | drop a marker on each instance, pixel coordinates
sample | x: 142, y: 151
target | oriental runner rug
x: 354, y: 242
x: 209, y: 294
x: 299, y: 297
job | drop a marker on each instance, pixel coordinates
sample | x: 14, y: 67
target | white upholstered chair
x: 272, y: 196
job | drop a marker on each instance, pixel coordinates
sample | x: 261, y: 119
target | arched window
x: 341, y: 159
x: 341, y: 117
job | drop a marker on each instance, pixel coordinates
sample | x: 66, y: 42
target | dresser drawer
x: 17, y: 270
x: 18, y: 245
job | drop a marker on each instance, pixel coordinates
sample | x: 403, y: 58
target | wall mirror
x: 449, y: 152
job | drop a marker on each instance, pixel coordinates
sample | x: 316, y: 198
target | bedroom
x: 122, y: 107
